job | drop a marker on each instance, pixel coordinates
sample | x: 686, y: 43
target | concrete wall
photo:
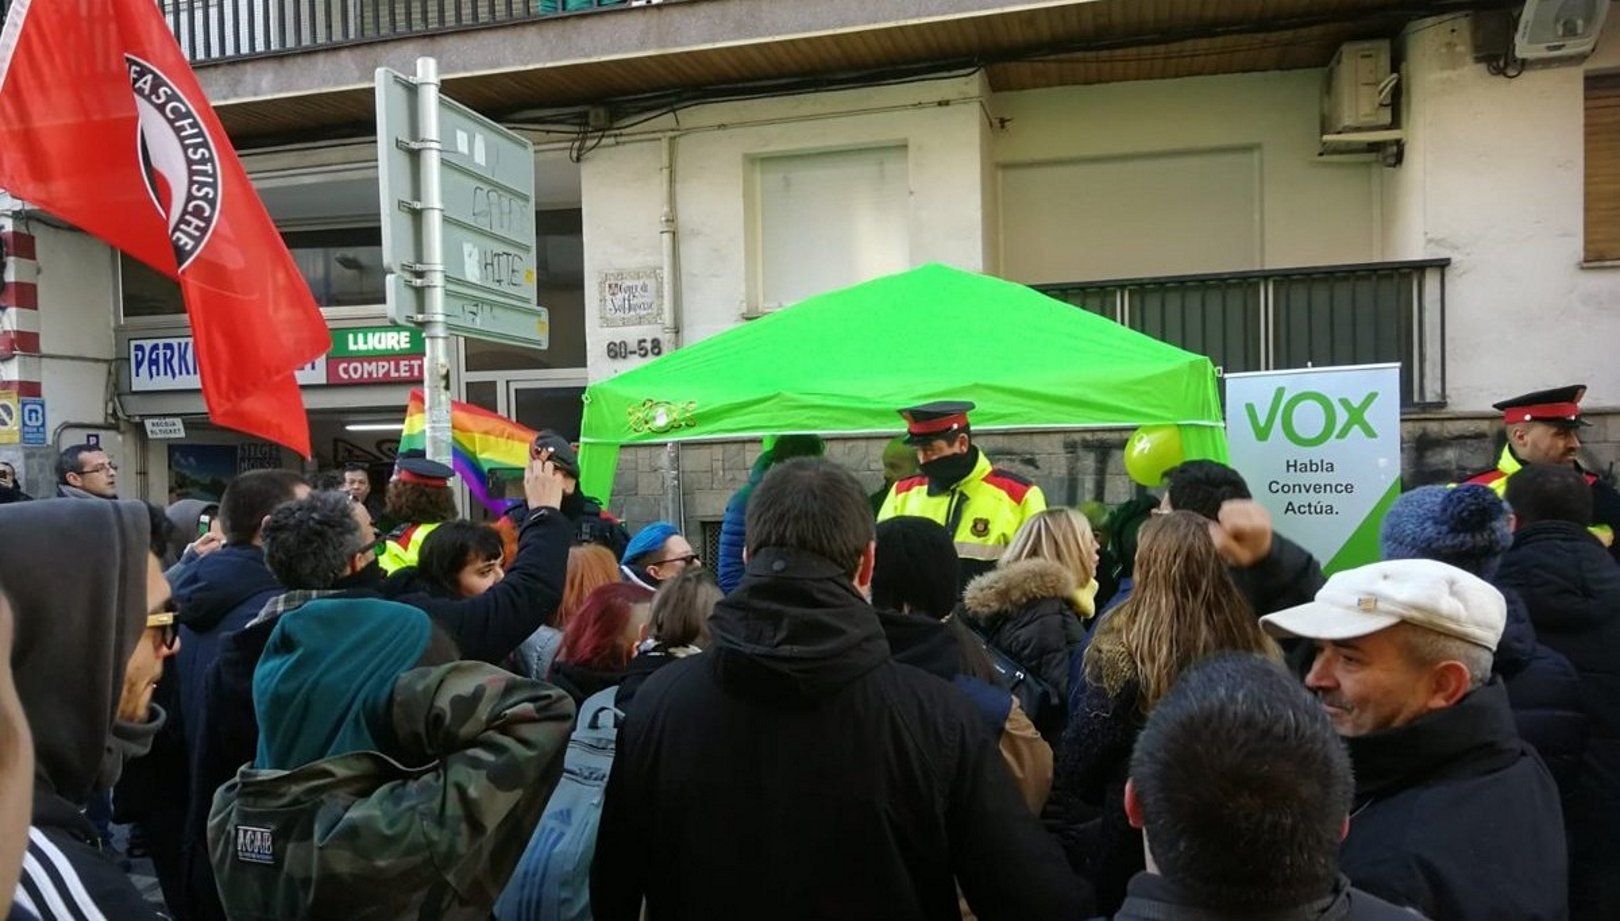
x: 1493, y: 179
x: 1132, y: 165
x: 938, y: 122
x: 1071, y: 468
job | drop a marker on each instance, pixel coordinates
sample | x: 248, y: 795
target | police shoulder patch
x: 1016, y: 487
x: 906, y: 485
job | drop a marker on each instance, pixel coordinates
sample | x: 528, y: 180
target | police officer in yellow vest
x: 419, y: 497
x: 1543, y: 428
x: 982, y: 506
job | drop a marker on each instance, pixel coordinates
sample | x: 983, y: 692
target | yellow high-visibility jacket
x: 1509, y: 464
x: 404, y: 545
x: 982, y: 512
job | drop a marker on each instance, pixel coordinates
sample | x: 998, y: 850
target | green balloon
x: 1152, y: 451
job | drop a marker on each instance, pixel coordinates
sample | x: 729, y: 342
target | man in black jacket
x: 85, y: 720
x: 1227, y: 835
x: 1454, y: 814
x: 1572, y: 587
x: 1274, y: 572
x: 219, y: 593
x: 796, y: 771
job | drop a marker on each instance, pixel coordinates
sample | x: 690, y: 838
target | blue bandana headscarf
x: 325, y: 683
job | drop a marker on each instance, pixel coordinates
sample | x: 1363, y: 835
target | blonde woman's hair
x: 1059, y: 534
x: 681, y: 609
x: 1183, y: 607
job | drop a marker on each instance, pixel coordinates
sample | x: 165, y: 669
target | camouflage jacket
x: 363, y: 836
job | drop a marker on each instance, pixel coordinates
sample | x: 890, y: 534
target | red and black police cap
x: 1559, y: 406
x: 941, y: 419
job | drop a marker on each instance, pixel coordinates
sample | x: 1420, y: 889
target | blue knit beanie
x: 648, y: 540
x: 1466, y: 526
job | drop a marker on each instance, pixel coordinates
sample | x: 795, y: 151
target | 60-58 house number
x: 641, y: 348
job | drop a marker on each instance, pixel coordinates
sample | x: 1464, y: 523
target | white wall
x: 1101, y: 148
x: 77, y: 285
x: 623, y: 191
x: 1493, y: 179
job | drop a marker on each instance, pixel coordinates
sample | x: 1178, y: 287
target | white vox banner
x: 1321, y: 450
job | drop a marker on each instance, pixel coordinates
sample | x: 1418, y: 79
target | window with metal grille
x: 708, y: 546
x: 1292, y: 318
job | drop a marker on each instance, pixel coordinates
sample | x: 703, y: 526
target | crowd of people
x: 945, y: 701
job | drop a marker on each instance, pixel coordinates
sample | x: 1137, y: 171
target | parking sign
x: 33, y: 422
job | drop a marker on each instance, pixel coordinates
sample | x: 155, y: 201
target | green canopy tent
x: 841, y: 363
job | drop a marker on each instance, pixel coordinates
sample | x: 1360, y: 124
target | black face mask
x: 945, y: 472
x: 369, y: 577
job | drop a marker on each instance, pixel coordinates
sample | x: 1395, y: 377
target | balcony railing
x: 1293, y: 318
x: 221, y: 30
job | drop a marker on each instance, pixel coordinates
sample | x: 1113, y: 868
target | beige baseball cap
x: 1367, y: 599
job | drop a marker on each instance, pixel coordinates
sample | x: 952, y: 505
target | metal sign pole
x: 436, y: 364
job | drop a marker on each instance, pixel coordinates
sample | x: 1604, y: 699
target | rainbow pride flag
x: 481, y: 441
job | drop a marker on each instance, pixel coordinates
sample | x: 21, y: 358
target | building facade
x: 1162, y: 162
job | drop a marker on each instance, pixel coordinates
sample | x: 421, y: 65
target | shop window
x: 1602, y: 168
x: 828, y: 220
x: 484, y: 394
x: 342, y: 267
x: 147, y: 292
x: 560, y: 409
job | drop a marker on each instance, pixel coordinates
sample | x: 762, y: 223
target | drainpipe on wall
x: 666, y: 233
x: 675, y: 501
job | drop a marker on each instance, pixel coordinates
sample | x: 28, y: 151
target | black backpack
x: 1044, y: 706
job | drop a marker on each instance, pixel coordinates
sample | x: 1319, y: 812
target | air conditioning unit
x: 1356, y: 92
x: 1550, y: 29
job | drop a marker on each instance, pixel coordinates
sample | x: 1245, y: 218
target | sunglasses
x: 689, y: 559
x: 164, y: 620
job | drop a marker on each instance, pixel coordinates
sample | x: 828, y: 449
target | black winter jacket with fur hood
x: 1029, y: 611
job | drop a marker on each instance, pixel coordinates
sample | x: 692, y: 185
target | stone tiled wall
x: 1071, y: 467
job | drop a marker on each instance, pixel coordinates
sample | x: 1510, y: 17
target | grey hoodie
x: 76, y: 576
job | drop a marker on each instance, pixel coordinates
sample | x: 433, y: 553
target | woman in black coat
x: 1033, y: 606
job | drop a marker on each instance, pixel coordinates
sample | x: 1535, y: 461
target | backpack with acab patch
x: 552, y: 881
